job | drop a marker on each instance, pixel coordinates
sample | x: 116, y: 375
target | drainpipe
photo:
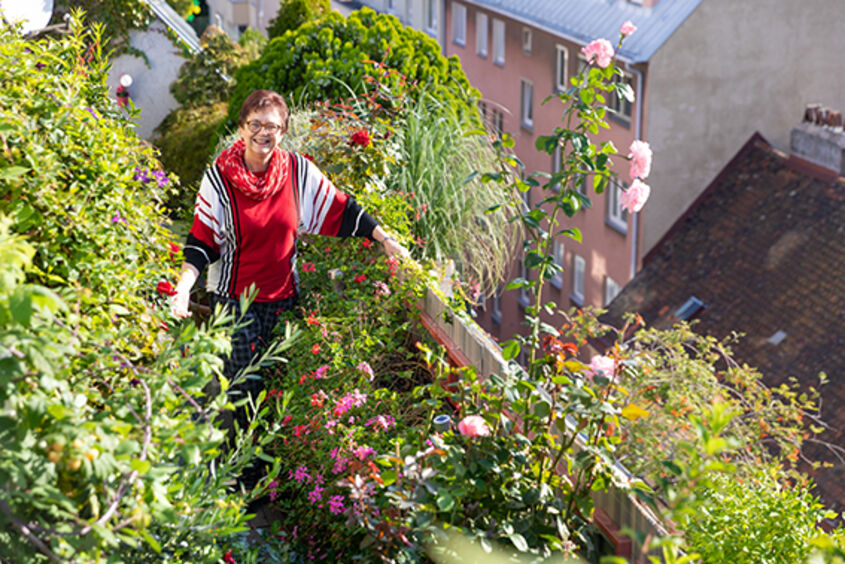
x: 638, y: 131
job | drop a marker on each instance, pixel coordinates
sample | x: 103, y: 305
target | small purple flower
x: 141, y: 175
x: 300, y: 475
x: 336, y: 504
x: 93, y: 112
x: 339, y: 465
x: 161, y: 178
x: 116, y: 218
x: 134, y: 382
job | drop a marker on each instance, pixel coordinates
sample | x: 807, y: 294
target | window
x: 692, y: 306
x: 582, y: 63
x: 496, y: 309
x: 579, y: 266
x: 562, y: 69
x: 524, y: 298
x: 527, y: 103
x: 482, y: 110
x: 391, y: 5
x: 481, y: 34
x: 617, y: 217
x: 556, y: 164
x: 459, y: 24
x: 430, y: 13
x: 526, y: 40
x: 558, y: 253
x: 498, y: 123
x: 498, y: 42
x: 616, y: 104
x: 611, y: 290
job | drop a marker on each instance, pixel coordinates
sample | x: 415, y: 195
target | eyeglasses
x: 255, y: 126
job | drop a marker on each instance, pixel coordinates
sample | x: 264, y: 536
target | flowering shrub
x: 110, y: 444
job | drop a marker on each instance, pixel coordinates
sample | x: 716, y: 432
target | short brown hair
x: 261, y: 99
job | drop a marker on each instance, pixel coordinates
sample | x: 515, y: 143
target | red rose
x: 360, y: 137
x: 174, y: 250
x: 228, y: 558
x: 164, y: 287
x: 315, y: 349
x: 360, y: 278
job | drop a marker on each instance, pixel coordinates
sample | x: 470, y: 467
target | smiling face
x: 261, y: 143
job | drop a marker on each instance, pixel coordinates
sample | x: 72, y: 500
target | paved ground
x: 345, y: 6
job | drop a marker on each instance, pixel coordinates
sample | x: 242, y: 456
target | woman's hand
x: 180, y: 300
x: 393, y: 248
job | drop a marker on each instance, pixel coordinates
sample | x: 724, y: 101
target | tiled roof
x: 585, y: 20
x: 763, y: 249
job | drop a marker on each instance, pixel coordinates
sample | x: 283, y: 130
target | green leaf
x: 140, y: 466
x: 151, y: 541
x: 510, y: 349
x: 11, y: 172
x: 20, y: 305
x: 519, y: 542
x: 445, y: 501
x: 517, y: 283
x: 389, y: 477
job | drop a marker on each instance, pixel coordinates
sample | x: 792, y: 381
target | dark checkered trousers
x: 249, y: 342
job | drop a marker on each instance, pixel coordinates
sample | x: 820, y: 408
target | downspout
x: 638, y: 131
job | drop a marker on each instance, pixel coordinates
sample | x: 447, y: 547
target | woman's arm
x: 391, y: 246
x: 179, y: 301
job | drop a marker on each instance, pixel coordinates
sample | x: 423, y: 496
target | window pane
x: 561, y: 69
x: 481, y: 34
x: 498, y: 41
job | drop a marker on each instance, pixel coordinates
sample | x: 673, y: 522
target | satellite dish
x: 31, y: 14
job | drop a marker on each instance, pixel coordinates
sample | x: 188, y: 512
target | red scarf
x: 232, y: 163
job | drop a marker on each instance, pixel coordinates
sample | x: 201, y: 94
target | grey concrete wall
x: 150, y: 90
x: 733, y: 68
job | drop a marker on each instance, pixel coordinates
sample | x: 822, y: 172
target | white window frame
x: 391, y: 6
x: 498, y: 42
x: 611, y: 290
x: 620, y: 107
x: 526, y: 103
x: 482, y: 28
x: 558, y: 255
x: 557, y: 162
x: 459, y: 24
x: 527, y: 40
x: 561, y: 68
x: 617, y: 216
x: 579, y: 269
x: 498, y: 123
x: 430, y: 16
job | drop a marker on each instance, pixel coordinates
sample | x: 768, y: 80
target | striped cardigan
x: 246, y: 241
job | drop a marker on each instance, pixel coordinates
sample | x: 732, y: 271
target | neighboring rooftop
x: 762, y: 250
x: 585, y: 20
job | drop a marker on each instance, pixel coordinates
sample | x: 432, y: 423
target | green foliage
x: 755, y: 519
x: 111, y: 442
x: 203, y: 78
x: 294, y: 13
x: 253, y: 43
x: 118, y: 17
x: 184, y: 141
x: 330, y: 59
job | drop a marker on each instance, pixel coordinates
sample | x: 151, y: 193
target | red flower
x: 228, y: 558
x: 304, y: 377
x: 309, y: 157
x: 360, y: 137
x: 308, y: 267
x: 316, y: 400
x: 174, y: 250
x: 164, y: 287
x: 312, y: 319
x: 367, y: 243
x: 360, y: 278
x: 315, y: 349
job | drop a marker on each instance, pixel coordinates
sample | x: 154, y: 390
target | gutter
x: 638, y: 132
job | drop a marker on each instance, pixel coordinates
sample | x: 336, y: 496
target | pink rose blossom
x: 599, y: 50
x: 640, y: 159
x: 627, y: 28
x: 366, y: 369
x: 602, y: 365
x: 634, y: 198
x: 473, y: 426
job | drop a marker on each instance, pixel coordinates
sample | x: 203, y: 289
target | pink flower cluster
x: 350, y: 400
x: 366, y: 369
x: 381, y: 288
x: 600, y: 51
x: 602, y: 366
x: 635, y: 197
x: 381, y: 422
x: 473, y: 426
x: 627, y: 28
x: 637, y: 194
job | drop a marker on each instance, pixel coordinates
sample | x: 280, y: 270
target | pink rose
x: 640, y: 159
x: 627, y: 28
x: 635, y: 197
x: 602, y: 365
x: 599, y: 49
x: 473, y: 426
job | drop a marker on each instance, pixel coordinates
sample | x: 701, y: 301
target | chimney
x: 820, y: 138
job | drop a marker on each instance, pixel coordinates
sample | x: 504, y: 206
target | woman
x: 252, y: 203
